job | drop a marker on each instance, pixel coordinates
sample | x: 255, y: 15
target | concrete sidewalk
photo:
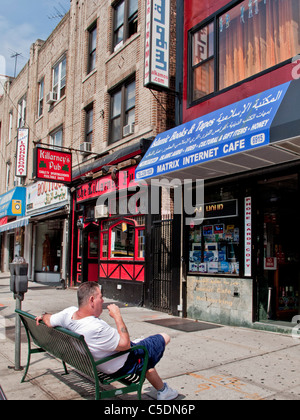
x: 203, y: 361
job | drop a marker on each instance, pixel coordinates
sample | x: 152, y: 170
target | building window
x: 125, y: 21
x: 89, y: 124
x: 41, y: 98
x: 122, y: 111
x: 203, y: 62
x: 8, y: 170
x: 92, y: 48
x: 22, y: 112
x: 249, y: 38
x: 123, y: 239
x: 59, y: 78
x: 56, y: 139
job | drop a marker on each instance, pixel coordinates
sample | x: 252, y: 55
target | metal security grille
x: 162, y: 255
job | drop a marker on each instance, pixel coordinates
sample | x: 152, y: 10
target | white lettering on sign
x: 248, y: 236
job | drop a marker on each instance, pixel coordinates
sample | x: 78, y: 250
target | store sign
x: 52, y: 165
x: 157, y: 44
x: 45, y: 195
x: 221, y: 209
x: 248, y: 236
x: 239, y: 127
x: 270, y: 263
x: 22, y: 152
x: 106, y: 185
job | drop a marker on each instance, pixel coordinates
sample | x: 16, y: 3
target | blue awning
x: 13, y: 203
x: 23, y: 221
x: 243, y: 136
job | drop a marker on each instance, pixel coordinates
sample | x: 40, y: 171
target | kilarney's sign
x: 52, y: 165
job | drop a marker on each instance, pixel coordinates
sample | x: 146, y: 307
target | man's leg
x: 152, y: 375
x: 154, y: 379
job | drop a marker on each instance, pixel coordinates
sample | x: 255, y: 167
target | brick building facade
x: 83, y: 89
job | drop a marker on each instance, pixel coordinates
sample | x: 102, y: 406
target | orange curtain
x: 255, y: 36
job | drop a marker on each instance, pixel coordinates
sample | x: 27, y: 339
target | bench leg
x: 66, y: 369
x: 27, y: 367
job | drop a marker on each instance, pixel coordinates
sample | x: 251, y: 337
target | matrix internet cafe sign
x: 52, y: 165
x: 157, y: 44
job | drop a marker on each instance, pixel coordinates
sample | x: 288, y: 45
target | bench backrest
x: 63, y: 344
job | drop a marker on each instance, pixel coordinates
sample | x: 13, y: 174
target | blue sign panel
x: 239, y: 127
x: 13, y: 203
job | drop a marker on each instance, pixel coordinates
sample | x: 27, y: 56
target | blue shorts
x: 134, y: 364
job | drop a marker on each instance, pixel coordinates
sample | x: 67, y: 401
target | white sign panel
x: 22, y: 152
x: 45, y: 195
x: 248, y: 236
x: 157, y: 44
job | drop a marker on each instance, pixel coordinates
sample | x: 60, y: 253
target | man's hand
x: 114, y: 311
x: 45, y: 318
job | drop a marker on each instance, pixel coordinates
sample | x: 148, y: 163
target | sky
x: 22, y: 22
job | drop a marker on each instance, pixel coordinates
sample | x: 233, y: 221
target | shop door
x: 90, y: 253
x: 279, y: 249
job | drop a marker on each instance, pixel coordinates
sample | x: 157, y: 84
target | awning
x: 257, y: 132
x: 13, y: 203
x: 14, y: 225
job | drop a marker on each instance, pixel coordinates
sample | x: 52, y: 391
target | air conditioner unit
x: 51, y: 98
x: 86, y: 147
x: 101, y: 211
x: 128, y: 130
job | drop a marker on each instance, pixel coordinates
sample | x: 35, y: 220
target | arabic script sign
x: 157, y: 44
x: 242, y: 126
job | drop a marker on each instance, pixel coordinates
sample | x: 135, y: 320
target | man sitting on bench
x: 104, y: 340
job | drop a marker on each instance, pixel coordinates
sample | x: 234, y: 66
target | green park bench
x: 73, y: 351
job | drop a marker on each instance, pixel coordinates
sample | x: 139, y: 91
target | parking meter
x: 19, y: 286
x: 18, y: 279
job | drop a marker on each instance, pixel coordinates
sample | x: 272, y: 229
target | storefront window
x: 122, y: 241
x: 48, y: 246
x: 214, y: 247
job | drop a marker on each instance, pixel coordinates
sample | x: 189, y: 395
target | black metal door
x: 165, y: 262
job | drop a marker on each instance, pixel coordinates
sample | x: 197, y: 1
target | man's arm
x: 45, y: 318
x: 124, y: 343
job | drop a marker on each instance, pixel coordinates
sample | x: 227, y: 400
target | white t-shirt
x: 102, y: 340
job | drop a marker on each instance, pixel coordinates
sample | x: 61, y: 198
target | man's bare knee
x: 166, y: 337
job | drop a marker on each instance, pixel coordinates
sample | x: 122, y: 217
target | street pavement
x: 203, y: 361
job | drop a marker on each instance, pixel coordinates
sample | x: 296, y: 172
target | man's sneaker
x: 167, y: 393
